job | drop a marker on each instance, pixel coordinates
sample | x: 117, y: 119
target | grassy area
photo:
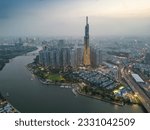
x: 54, y: 77
x: 46, y: 74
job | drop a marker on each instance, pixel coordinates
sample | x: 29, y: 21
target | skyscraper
x: 79, y: 56
x: 86, y: 55
x: 147, y: 58
x: 73, y: 58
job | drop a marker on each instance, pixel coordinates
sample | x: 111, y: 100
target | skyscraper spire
x: 86, y: 37
x: 86, y: 58
x: 86, y: 19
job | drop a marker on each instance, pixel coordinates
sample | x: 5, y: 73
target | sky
x: 67, y: 17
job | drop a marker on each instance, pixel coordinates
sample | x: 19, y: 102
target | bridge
x: 145, y: 100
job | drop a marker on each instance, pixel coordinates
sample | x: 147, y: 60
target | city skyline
x: 66, y: 18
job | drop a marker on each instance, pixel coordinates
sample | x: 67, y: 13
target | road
x: 136, y: 88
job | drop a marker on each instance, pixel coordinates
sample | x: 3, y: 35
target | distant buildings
x: 147, y: 58
x: 96, y: 57
x: 79, y: 56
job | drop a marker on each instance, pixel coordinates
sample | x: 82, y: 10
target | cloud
x: 67, y: 17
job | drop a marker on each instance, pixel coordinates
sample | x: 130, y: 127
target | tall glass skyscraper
x: 86, y: 58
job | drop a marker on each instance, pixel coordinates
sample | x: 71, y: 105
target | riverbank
x: 7, y: 53
x: 98, y: 98
x: 45, y: 82
x: 6, y: 107
x: 75, y: 89
x: 74, y: 86
x: 2, y: 64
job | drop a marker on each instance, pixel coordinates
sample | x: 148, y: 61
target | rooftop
x: 137, y: 78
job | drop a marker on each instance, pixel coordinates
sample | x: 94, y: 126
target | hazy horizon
x: 67, y: 17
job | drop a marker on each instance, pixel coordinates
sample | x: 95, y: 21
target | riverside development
x: 56, y: 65
x: 6, y: 107
x: 76, y: 76
x: 29, y: 95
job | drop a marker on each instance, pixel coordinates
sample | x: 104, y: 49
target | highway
x: 136, y: 88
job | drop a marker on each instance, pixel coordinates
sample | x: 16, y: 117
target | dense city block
x: 10, y: 50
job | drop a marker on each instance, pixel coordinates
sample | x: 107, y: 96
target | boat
x: 33, y: 75
x: 62, y: 86
x: 66, y: 86
x: 7, y: 94
x: 74, y: 92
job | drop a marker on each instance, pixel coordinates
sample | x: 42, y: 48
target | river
x: 30, y: 96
